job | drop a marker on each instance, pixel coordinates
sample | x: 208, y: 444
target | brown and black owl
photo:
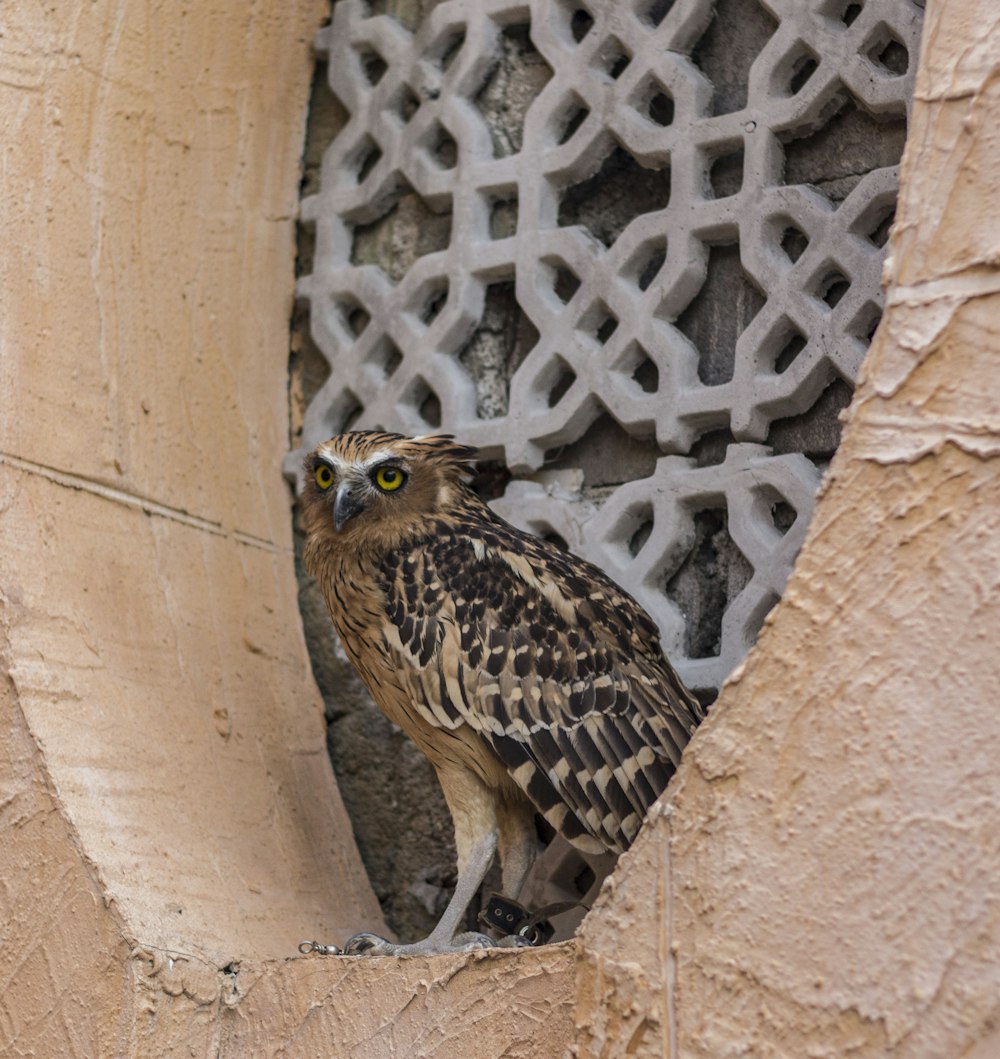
x: 530, y: 680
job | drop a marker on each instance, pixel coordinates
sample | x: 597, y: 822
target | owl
x: 529, y: 679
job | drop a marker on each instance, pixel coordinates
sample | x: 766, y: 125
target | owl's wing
x: 557, y: 667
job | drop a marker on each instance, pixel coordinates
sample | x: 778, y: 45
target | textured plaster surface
x: 149, y: 617
x: 167, y: 785
x: 830, y: 853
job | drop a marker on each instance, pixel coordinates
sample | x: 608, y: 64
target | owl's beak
x: 345, y: 507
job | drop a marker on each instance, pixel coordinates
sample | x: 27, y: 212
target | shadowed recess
x: 710, y: 577
x: 816, y: 432
x: 511, y: 85
x: 497, y: 348
x: 621, y: 190
x: 607, y: 454
x: 851, y: 143
x: 727, y: 49
x: 407, y: 231
x: 714, y: 333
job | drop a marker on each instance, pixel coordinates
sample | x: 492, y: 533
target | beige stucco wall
x: 168, y: 787
x: 824, y: 877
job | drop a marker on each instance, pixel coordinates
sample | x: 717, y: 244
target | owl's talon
x: 514, y: 941
x: 471, y: 941
x: 368, y: 944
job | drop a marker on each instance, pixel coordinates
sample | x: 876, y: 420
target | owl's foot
x: 367, y: 944
x: 372, y: 945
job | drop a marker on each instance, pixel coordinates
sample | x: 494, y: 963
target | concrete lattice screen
x: 652, y: 237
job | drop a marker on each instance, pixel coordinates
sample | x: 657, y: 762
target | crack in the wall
x: 78, y: 482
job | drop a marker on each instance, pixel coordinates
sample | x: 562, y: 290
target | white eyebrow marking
x: 379, y: 458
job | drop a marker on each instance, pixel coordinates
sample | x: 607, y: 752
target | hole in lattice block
x: 357, y: 320
x: 445, y: 51
x: 571, y: 118
x: 646, y: 262
x: 504, y: 337
x: 850, y: 13
x: 509, y: 87
x: 608, y: 327
x: 584, y: 879
x: 345, y: 411
x: 710, y: 448
x: 490, y: 479
x: 714, y: 333
x: 353, y: 315
x: 430, y: 410
x: 832, y: 287
x: 887, y: 52
x: 600, y: 322
x: 711, y: 576
x: 443, y: 148
x: 733, y: 39
x: 725, y: 175
x: 865, y: 324
x: 426, y: 402
x: 643, y: 518
x: 407, y: 231
x: 793, y: 242
x: 405, y: 104
x: 564, y: 380
x: 580, y: 24
x: 386, y: 357
x: 771, y: 500
x: 656, y: 11
x: 503, y: 218
x: 615, y: 58
x: 565, y: 282
x: 552, y: 537
x: 790, y: 349
x: 372, y: 65
x: 352, y: 418
x: 434, y: 301
x: 816, y: 432
x: 636, y: 363
x: 610, y: 200
x: 647, y: 375
x: 365, y: 158
x: 802, y: 69
x: 656, y: 103
x: 661, y: 109
x: 879, y: 234
x: 783, y: 516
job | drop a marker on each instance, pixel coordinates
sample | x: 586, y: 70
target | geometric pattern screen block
x: 667, y: 216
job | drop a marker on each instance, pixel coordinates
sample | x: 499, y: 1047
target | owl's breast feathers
x: 482, y: 630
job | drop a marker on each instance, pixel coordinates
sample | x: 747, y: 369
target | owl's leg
x: 519, y: 843
x: 473, y: 809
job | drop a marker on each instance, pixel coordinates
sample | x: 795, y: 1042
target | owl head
x: 372, y: 485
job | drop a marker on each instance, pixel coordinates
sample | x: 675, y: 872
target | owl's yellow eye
x: 324, y: 476
x: 388, y: 479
